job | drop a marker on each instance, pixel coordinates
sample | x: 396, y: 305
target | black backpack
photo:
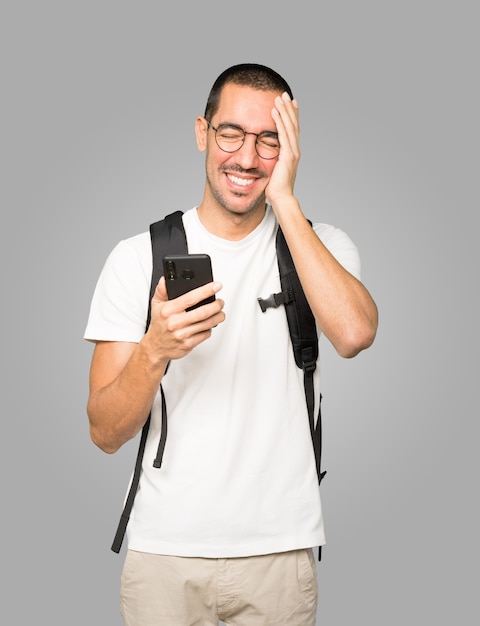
x: 168, y: 237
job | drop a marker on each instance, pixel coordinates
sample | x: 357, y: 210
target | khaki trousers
x: 271, y: 590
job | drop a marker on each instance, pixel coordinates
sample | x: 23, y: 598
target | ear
x: 201, y: 128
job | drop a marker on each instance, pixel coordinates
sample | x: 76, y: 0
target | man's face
x: 237, y: 180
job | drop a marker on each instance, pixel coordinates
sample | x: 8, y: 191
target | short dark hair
x: 253, y: 75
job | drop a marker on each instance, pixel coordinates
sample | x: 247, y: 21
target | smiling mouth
x: 243, y: 182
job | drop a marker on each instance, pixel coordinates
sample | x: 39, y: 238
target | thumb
x: 160, y: 294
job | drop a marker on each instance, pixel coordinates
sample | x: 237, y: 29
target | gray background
x: 98, y: 106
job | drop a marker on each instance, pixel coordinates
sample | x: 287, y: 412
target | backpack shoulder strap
x: 304, y: 337
x: 167, y: 237
x: 303, y: 334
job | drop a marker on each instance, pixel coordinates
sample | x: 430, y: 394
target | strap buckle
x: 275, y: 300
x: 309, y: 364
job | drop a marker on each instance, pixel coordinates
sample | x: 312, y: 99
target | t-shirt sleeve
x: 119, y: 306
x: 341, y: 247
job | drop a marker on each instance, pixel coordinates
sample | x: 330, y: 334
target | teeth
x: 240, y: 181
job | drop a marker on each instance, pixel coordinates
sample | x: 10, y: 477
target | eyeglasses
x: 230, y: 138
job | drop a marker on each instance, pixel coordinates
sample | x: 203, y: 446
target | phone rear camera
x: 171, y: 273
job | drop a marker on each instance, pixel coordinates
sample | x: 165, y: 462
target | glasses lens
x: 268, y: 146
x: 229, y: 138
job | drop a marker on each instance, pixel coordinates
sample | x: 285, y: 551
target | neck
x: 228, y: 224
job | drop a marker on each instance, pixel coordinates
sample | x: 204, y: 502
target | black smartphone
x: 184, y: 272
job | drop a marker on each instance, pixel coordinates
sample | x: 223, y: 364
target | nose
x: 247, y: 155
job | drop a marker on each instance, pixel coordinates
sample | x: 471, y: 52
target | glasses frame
x: 245, y: 133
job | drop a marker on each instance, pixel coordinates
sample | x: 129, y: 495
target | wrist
x: 285, y: 207
x: 152, y: 356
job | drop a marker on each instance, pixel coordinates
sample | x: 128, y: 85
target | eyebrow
x: 270, y: 133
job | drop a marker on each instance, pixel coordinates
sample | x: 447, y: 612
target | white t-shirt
x: 238, y: 476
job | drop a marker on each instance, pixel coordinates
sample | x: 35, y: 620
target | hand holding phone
x: 184, y: 272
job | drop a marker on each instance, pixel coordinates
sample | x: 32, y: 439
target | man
x: 225, y: 528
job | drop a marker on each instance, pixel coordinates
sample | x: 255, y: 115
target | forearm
x: 118, y: 409
x: 125, y: 377
x: 343, y: 307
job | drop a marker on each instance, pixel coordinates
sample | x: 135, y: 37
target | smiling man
x: 225, y: 528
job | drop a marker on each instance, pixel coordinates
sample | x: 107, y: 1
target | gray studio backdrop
x: 98, y: 108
